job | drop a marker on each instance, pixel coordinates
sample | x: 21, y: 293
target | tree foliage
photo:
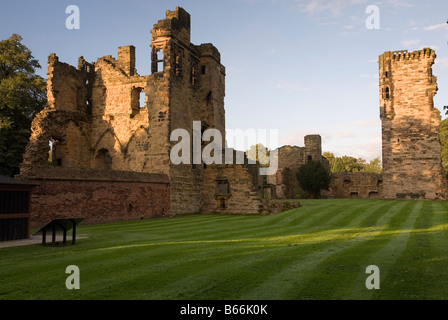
x: 352, y: 164
x: 313, y: 177
x: 22, y: 95
x: 443, y: 133
x: 260, y: 153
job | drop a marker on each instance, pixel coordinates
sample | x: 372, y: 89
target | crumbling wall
x: 120, y: 126
x: 410, y: 125
x: 290, y: 158
x: 363, y: 185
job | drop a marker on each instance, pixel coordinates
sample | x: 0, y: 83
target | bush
x: 313, y: 177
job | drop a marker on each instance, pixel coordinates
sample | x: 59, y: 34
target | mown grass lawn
x: 319, y: 251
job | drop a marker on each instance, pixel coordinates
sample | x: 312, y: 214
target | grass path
x: 319, y: 251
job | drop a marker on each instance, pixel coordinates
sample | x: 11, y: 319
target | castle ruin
x: 101, y: 147
x: 412, y: 164
x: 108, y: 130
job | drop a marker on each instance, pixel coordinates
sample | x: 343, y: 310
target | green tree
x: 443, y: 133
x: 351, y: 164
x: 22, y: 95
x: 330, y: 157
x: 313, y: 177
x: 338, y: 165
x: 260, y: 153
x: 374, y: 166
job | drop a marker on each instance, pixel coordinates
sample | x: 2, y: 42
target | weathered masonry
x: 353, y: 185
x: 101, y: 147
x: 284, y: 184
x: 412, y: 162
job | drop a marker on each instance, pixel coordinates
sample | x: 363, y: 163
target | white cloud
x: 441, y: 65
x: 411, y: 43
x: 401, y: 3
x: 334, y: 6
x: 437, y: 27
x: 368, y: 150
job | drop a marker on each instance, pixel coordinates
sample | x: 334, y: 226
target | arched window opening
x: 56, y: 152
x: 103, y: 160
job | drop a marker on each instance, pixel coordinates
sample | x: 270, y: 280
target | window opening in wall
x: 387, y: 93
x: 203, y: 68
x: 209, y: 99
x: 222, y: 203
x: 178, y: 66
x: 347, y: 183
x: 54, y: 157
x: 50, y: 153
x: 137, y: 100
x: 223, y: 187
x: 159, y: 60
x: 193, y: 76
x: 142, y: 99
x: 387, y: 74
x: 310, y: 158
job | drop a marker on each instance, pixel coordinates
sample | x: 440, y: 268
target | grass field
x: 319, y: 251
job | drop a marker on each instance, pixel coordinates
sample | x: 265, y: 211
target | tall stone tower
x: 410, y: 126
x: 187, y: 86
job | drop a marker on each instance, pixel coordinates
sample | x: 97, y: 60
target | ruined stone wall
x: 410, y: 124
x: 93, y: 118
x: 236, y: 189
x: 290, y: 158
x: 233, y: 188
x: 97, y: 196
x: 65, y: 121
x: 362, y: 185
x: 120, y: 128
x: 229, y: 189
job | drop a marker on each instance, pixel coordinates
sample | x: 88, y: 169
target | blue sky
x: 299, y: 66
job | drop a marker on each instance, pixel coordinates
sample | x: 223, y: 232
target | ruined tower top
x: 177, y: 25
x: 398, y: 72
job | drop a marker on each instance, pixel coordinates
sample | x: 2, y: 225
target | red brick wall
x: 96, y: 196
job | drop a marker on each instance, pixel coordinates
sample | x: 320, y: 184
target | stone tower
x: 187, y: 85
x: 313, y: 147
x: 410, y: 126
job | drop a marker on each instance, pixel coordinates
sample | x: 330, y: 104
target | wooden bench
x: 63, y: 225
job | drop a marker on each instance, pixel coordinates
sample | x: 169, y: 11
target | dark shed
x: 15, y: 198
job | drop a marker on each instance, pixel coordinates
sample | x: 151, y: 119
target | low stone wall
x: 277, y: 206
x: 231, y: 189
x: 363, y: 185
x: 97, y: 196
